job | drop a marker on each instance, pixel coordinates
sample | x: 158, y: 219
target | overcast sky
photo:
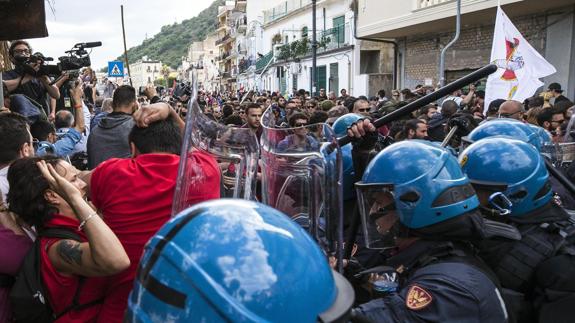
x: 100, y: 20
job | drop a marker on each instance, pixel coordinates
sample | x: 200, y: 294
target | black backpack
x: 28, y: 295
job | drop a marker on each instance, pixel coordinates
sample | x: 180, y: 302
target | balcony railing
x: 223, y: 39
x: 333, y: 38
x: 263, y: 61
x: 245, y: 63
x: 421, y: 4
x: 284, y: 9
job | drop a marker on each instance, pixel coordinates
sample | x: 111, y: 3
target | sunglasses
x: 300, y: 124
x: 507, y: 115
x: 363, y: 110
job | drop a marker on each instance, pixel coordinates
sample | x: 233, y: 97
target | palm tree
x: 165, y: 71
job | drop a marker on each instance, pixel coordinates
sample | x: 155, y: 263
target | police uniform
x: 536, y: 268
x: 441, y: 279
x: 442, y: 282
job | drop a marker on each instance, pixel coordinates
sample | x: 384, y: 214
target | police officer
x: 236, y: 261
x: 512, y: 183
x: 416, y: 202
x: 534, y: 135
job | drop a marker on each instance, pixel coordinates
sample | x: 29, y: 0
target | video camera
x: 77, y: 58
x: 183, y: 90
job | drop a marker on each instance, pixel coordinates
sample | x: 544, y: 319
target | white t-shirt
x: 4, y: 186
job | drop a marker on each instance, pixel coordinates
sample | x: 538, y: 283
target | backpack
x: 28, y: 294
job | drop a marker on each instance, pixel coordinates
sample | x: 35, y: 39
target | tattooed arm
x: 102, y: 255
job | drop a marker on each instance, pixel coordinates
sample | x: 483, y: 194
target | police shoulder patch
x: 417, y: 298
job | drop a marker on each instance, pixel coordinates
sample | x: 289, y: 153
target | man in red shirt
x: 135, y: 195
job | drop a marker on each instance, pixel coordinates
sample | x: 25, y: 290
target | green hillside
x: 171, y: 43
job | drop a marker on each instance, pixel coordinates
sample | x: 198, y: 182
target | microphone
x: 89, y: 45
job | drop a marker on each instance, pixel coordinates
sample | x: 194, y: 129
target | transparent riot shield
x: 235, y: 149
x: 302, y: 177
x: 561, y: 153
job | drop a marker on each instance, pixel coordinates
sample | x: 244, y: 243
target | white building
x: 145, y: 71
x: 209, y: 68
x: 279, y: 37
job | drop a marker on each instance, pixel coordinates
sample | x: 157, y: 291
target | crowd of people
x: 449, y: 198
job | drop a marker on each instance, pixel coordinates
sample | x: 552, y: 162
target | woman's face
x: 70, y: 173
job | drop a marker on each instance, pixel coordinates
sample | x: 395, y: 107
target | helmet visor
x: 378, y: 215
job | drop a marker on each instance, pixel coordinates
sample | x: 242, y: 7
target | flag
x: 520, y: 65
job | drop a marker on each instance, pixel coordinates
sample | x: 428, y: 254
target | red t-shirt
x: 61, y: 288
x: 135, y: 198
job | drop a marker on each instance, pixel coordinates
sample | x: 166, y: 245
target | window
x: 369, y: 62
x: 304, y: 31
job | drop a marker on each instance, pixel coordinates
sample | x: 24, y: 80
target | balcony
x: 241, y: 5
x: 223, y: 40
x: 263, y: 61
x: 284, y: 9
x: 245, y: 64
x: 396, y: 19
x: 422, y: 4
x: 330, y: 39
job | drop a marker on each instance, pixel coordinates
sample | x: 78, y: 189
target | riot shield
x: 302, y: 177
x: 235, y: 149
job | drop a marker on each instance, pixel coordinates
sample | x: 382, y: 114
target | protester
x: 135, y: 195
x: 46, y: 193
x: 109, y: 138
x: 15, y: 143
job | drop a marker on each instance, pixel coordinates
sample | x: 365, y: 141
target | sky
x: 82, y: 21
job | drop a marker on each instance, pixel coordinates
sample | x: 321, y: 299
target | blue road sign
x: 116, y: 69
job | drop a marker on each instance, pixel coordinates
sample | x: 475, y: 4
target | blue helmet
x: 340, y: 128
x: 345, y: 121
x: 543, y: 136
x: 505, y: 127
x: 511, y: 166
x: 235, y: 260
x: 427, y: 183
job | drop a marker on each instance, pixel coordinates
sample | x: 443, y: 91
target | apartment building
x: 279, y: 49
x: 145, y: 71
x: 421, y: 29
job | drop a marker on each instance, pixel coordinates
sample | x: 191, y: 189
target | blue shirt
x: 63, y: 147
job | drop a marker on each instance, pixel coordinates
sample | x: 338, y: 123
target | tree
x: 165, y: 71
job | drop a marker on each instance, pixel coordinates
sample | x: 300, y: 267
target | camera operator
x: 24, y: 80
x: 62, y: 141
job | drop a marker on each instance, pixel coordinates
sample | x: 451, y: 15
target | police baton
x: 431, y: 97
x: 403, y: 111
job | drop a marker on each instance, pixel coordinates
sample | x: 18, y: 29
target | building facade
x: 145, y: 71
x: 279, y: 49
x: 230, y: 44
x: 422, y: 28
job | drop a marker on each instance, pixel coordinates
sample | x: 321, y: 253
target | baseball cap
x: 555, y: 87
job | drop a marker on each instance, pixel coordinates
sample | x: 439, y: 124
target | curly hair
x: 27, y: 188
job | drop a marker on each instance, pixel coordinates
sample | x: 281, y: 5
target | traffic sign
x: 116, y: 69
